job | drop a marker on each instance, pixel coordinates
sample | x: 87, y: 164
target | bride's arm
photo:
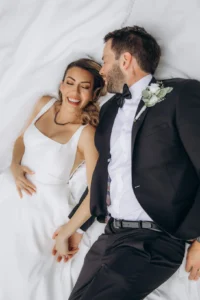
x: 17, y: 170
x: 90, y: 221
x: 87, y: 147
x: 18, y: 151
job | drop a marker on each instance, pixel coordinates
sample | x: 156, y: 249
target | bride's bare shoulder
x: 41, y: 102
x: 87, y: 137
x: 38, y: 106
x: 88, y: 132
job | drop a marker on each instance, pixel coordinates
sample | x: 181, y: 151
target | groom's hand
x: 193, y: 261
x: 74, y: 242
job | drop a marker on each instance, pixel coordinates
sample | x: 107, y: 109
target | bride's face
x: 77, y: 88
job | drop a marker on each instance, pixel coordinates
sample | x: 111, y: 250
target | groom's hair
x: 139, y: 43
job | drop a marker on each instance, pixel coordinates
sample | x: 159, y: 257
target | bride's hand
x: 19, y: 174
x: 65, y: 248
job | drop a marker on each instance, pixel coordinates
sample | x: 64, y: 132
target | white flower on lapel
x: 153, y: 87
x: 152, y: 95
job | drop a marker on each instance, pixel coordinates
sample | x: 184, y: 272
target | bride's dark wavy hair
x: 90, y: 113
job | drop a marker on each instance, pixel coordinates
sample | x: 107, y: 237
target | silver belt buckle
x: 146, y: 225
x: 115, y: 223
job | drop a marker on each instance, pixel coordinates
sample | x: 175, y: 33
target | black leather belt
x: 135, y: 224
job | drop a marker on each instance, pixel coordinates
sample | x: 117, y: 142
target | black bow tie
x: 126, y: 94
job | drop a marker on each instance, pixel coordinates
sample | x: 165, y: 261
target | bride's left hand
x: 65, y: 248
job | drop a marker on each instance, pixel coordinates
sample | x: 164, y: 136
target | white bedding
x: 40, y: 37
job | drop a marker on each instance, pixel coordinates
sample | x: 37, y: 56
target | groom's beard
x: 115, y: 80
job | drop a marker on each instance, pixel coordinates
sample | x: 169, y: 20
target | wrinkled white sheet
x: 40, y: 37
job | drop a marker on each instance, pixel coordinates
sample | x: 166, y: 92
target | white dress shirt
x: 124, y: 204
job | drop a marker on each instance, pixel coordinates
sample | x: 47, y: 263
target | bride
x: 35, y: 197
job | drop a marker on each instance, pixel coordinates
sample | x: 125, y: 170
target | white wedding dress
x: 28, y: 271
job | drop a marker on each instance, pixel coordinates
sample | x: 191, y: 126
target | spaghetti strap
x: 77, y: 134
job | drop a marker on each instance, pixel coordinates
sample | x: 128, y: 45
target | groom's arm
x: 188, y: 124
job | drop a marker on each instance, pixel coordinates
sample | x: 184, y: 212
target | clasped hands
x: 65, y: 247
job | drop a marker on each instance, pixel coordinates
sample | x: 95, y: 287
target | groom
x: 147, y: 179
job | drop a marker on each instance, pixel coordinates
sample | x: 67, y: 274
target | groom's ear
x: 126, y: 60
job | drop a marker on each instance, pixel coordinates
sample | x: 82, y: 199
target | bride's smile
x: 77, y: 89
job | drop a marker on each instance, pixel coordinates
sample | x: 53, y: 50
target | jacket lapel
x: 138, y: 123
x: 105, y: 129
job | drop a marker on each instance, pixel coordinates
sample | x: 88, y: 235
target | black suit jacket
x: 165, y: 159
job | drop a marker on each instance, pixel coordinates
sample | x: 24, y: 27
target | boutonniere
x: 152, y: 95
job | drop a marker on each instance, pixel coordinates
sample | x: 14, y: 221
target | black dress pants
x: 127, y: 264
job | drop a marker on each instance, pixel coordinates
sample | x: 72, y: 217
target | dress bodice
x: 51, y: 161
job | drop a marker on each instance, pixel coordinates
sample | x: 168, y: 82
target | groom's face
x: 111, y: 71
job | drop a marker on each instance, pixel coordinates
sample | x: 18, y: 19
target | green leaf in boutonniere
x: 152, y: 95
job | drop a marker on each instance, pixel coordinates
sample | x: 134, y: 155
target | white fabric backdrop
x: 40, y: 37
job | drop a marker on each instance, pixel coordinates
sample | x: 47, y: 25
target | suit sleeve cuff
x: 79, y: 230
